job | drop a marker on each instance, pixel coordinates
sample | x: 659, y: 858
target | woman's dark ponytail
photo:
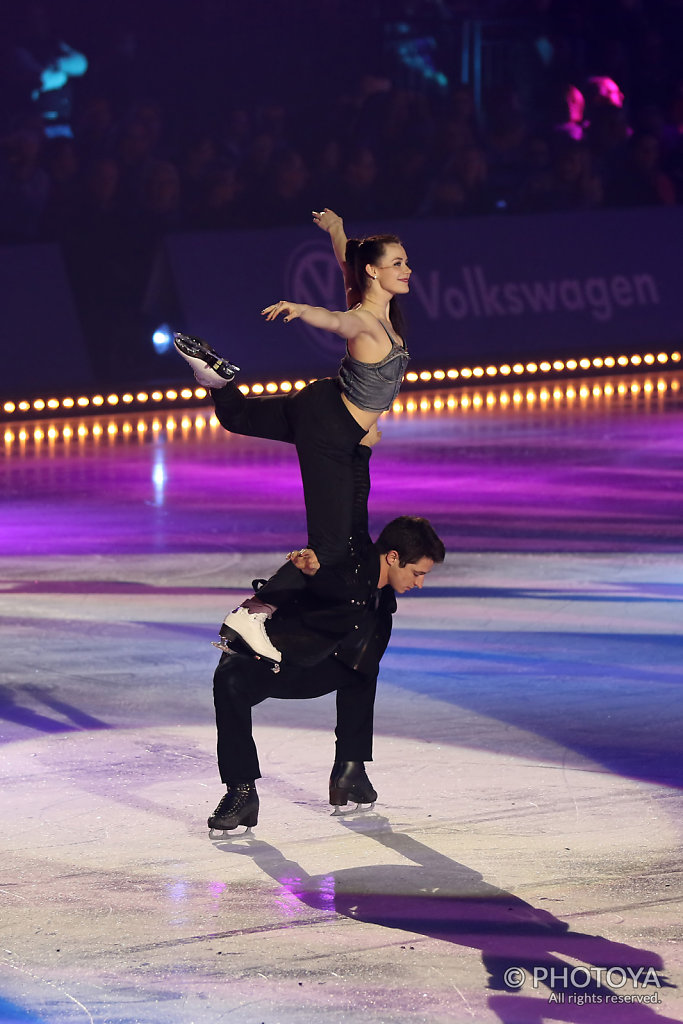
x: 352, y: 247
x: 352, y: 280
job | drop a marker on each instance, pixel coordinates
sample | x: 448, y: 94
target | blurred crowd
x: 120, y: 122
x: 594, y: 119
x: 590, y: 115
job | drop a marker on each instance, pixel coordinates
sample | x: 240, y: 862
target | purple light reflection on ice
x: 287, y: 898
x: 576, y: 476
x: 159, y: 477
x: 327, y: 891
x: 177, y: 891
x: 294, y: 891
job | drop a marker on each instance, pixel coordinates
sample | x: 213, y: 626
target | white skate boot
x: 210, y: 369
x: 249, y: 629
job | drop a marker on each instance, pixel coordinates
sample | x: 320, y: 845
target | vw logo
x: 313, y: 276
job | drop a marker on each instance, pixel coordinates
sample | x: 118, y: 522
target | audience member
x: 62, y: 164
x: 24, y: 187
x: 220, y: 205
x: 640, y: 180
x: 357, y: 192
x: 569, y: 184
x: 570, y: 114
x: 284, y: 197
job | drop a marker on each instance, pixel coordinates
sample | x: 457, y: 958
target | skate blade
x: 340, y: 812
x: 192, y: 342
x: 224, y: 646
x: 236, y: 645
x: 230, y: 833
x: 196, y: 348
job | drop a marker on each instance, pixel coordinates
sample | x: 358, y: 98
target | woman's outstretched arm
x: 347, y: 324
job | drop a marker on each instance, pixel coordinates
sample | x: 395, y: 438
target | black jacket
x: 345, y: 615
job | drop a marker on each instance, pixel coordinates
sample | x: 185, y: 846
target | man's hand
x: 306, y: 560
x: 291, y: 309
x: 327, y: 219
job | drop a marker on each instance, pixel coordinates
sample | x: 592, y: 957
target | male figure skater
x: 332, y: 635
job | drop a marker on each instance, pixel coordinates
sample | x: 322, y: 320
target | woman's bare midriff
x: 365, y: 417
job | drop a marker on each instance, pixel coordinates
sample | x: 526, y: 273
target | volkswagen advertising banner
x: 482, y: 289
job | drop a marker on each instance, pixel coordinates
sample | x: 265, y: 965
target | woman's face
x: 392, y: 270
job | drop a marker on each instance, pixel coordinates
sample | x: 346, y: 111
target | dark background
x: 218, y: 117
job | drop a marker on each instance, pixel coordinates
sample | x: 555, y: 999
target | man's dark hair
x: 413, y: 538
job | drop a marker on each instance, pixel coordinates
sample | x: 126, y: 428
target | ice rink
x: 522, y: 864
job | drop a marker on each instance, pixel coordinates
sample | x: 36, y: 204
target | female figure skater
x: 327, y: 419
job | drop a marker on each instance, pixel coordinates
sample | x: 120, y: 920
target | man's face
x: 412, y: 574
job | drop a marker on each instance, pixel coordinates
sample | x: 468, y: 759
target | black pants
x: 326, y: 436
x: 241, y: 682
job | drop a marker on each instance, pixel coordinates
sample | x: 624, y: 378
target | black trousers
x: 326, y: 436
x: 241, y: 682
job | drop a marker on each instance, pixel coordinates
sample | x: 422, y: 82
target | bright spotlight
x: 162, y: 339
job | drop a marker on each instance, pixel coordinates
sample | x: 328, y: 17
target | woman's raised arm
x: 333, y: 224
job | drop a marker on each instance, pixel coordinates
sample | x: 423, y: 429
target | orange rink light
x: 473, y: 400
x: 464, y: 375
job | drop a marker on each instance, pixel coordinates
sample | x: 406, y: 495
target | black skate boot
x: 349, y: 781
x: 210, y: 369
x: 239, y: 806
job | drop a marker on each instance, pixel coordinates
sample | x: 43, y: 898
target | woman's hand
x: 291, y: 309
x: 306, y: 560
x: 327, y: 219
x: 373, y: 437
